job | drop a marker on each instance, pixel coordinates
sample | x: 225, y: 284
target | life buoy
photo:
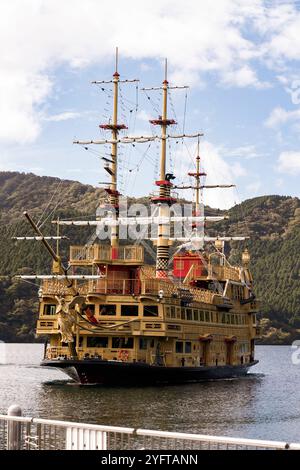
x: 123, y: 355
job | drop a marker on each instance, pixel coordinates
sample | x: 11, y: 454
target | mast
x: 114, y: 127
x: 197, y: 204
x: 164, y: 199
x: 164, y: 124
x: 114, y: 195
x: 198, y: 209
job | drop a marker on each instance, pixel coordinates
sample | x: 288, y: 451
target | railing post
x: 14, y: 429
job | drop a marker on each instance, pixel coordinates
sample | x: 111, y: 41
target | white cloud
x: 63, y: 116
x: 243, y: 77
x: 280, y: 116
x: 245, y: 151
x: 21, y: 94
x: 144, y: 116
x: 289, y: 162
x: 37, y: 36
x: 218, y: 172
x: 283, y: 24
x: 254, y: 188
x: 238, y: 170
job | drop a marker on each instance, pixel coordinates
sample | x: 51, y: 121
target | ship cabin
x: 204, y: 316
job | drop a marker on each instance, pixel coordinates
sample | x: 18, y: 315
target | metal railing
x: 25, y: 433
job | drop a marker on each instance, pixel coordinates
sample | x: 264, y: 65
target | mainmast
x: 164, y: 198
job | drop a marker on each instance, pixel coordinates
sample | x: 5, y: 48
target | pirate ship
x: 111, y: 318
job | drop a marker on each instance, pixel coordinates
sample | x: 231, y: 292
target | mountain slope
x: 272, y: 222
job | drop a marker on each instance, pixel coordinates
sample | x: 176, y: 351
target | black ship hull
x: 119, y: 373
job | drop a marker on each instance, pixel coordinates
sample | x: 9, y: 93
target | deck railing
x: 223, y: 272
x: 105, y: 286
x: 26, y: 433
x: 106, y: 254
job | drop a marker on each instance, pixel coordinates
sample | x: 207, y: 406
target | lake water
x: 263, y: 405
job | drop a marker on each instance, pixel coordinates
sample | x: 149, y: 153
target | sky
x: 240, y: 59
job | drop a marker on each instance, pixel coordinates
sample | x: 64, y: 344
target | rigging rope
x: 45, y: 209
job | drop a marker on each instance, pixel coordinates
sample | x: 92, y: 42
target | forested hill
x: 272, y: 222
x: 19, y: 192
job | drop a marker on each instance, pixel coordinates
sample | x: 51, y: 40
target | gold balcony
x: 144, y: 287
x: 105, y: 254
x: 223, y: 272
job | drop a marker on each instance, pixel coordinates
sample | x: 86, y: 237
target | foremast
x: 114, y: 195
x: 114, y: 127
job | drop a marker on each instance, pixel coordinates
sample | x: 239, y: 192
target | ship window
x: 188, y: 347
x: 97, y: 342
x: 49, y: 309
x: 107, y: 309
x: 178, y: 312
x: 223, y: 317
x: 150, y: 311
x: 129, y: 310
x: 201, y: 315
x: 189, y: 315
x: 143, y: 343
x: 196, y: 315
x: 168, y: 314
x: 207, y: 316
x: 80, y: 342
x: 173, y: 312
x: 179, y: 347
x: 122, y: 342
